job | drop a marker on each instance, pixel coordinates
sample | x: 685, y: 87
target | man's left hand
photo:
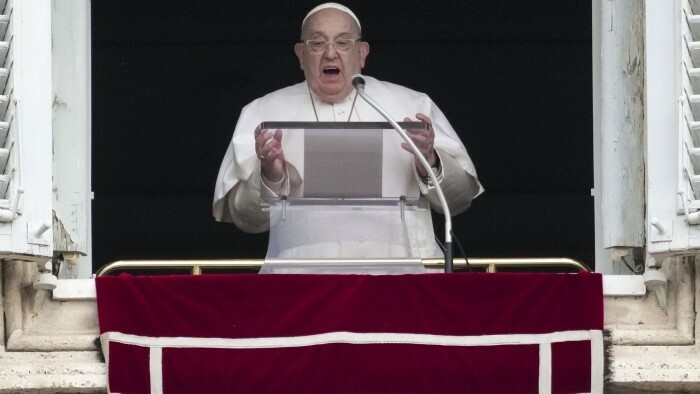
x: 424, y: 140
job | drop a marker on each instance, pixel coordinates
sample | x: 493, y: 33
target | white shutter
x: 25, y: 130
x: 71, y: 132
x: 7, y: 167
x: 673, y: 123
x: 45, y: 130
x: 690, y: 104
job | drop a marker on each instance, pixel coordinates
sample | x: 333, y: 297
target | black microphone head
x: 358, y: 82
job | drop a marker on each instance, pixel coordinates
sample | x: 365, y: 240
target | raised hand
x: 268, y: 148
x: 424, y: 140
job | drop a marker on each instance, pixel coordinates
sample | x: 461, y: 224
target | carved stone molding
x: 36, y: 322
x: 652, y: 320
x: 658, y: 357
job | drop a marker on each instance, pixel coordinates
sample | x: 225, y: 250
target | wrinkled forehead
x: 330, y: 20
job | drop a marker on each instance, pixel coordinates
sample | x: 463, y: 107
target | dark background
x: 169, y: 79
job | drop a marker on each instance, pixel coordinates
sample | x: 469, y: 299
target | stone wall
x: 50, y: 343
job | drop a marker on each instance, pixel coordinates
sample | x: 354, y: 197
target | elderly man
x: 330, y: 52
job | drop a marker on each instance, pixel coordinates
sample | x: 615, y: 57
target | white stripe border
x: 545, y: 369
x: 352, y: 338
x: 156, y: 345
x: 155, y: 366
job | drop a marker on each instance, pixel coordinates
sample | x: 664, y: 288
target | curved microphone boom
x: 359, y: 83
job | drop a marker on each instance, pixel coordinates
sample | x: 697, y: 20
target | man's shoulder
x: 276, y: 99
x: 393, y: 88
x: 399, y: 94
x: 285, y: 94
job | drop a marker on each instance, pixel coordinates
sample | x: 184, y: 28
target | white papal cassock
x: 240, y: 193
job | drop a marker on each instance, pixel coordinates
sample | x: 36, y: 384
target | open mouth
x: 331, y: 70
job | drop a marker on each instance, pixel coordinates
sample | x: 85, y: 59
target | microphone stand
x: 359, y: 83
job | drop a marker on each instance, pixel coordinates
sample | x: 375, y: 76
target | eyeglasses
x: 341, y: 44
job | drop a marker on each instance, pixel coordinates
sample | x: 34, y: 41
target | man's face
x: 329, y: 72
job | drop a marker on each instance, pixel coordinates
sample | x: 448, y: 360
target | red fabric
x: 253, y: 306
x: 570, y: 359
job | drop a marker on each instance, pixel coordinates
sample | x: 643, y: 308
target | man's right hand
x: 268, y: 147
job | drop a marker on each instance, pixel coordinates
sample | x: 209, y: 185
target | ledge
x: 54, y: 372
x: 75, y: 289
x: 658, y: 368
x: 613, y: 286
x: 51, y: 343
x: 623, y: 286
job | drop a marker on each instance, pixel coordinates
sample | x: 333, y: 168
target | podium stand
x: 358, y: 206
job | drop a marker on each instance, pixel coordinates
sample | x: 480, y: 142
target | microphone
x: 358, y: 82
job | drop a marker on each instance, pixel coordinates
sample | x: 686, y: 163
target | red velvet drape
x: 286, y: 306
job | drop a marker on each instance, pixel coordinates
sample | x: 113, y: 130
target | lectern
x: 358, y: 207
